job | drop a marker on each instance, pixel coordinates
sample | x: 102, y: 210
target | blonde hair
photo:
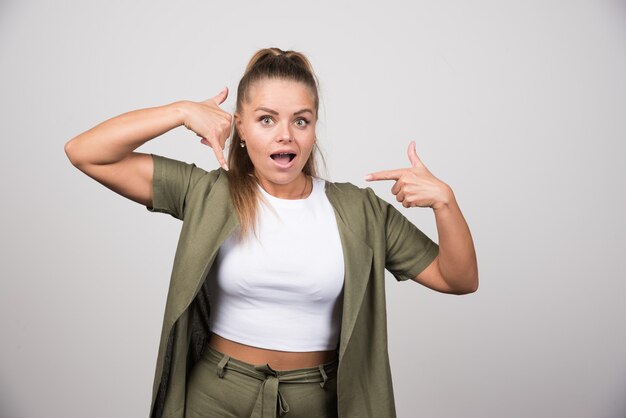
x: 268, y: 63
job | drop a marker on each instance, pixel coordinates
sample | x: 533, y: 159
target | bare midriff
x: 278, y: 360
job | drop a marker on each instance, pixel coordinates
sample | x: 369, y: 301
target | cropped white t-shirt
x: 282, y: 289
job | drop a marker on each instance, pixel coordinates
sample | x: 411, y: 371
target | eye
x: 265, y: 120
x: 302, y: 122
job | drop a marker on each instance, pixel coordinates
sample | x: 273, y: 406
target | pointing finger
x: 217, y: 150
x: 220, y: 157
x: 415, y: 160
x: 384, y: 175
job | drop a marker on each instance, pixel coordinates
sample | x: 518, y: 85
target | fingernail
x: 368, y: 177
x: 225, y: 167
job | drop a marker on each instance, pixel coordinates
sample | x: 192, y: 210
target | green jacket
x: 374, y: 237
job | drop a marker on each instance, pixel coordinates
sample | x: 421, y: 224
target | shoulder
x: 178, y: 186
x: 351, y: 191
x: 352, y: 198
x: 189, y: 173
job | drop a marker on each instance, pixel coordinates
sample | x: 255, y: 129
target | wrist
x: 180, y: 110
x: 446, y: 199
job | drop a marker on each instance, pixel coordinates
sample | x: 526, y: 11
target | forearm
x: 457, y: 257
x: 116, y: 138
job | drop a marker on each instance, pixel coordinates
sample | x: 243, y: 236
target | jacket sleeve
x: 172, y: 182
x: 408, y: 250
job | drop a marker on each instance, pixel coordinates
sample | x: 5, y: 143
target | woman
x: 276, y: 303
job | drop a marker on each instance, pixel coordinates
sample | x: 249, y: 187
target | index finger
x: 384, y: 175
x: 217, y: 150
x: 220, y: 157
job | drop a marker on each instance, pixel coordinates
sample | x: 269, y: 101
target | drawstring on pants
x: 221, y: 365
x: 324, y: 376
x: 270, y: 403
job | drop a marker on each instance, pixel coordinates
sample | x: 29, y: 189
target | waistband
x: 270, y: 401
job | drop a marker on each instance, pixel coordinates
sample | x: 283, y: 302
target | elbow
x: 71, y: 153
x: 467, y: 285
x: 470, y: 289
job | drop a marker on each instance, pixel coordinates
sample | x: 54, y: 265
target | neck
x: 297, y: 189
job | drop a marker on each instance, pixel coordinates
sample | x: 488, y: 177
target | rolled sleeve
x: 409, y: 251
x: 171, y: 182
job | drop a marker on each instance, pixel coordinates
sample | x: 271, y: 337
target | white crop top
x: 282, y: 289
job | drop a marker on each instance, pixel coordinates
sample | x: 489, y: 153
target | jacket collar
x: 358, y: 257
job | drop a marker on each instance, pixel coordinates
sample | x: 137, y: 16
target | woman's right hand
x: 212, y: 124
x: 107, y: 153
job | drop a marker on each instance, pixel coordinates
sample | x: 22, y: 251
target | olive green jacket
x: 374, y: 237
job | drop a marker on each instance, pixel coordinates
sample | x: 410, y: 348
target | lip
x: 290, y: 163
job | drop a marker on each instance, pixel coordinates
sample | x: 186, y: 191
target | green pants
x: 221, y: 386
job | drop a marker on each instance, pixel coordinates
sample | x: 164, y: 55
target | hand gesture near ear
x: 107, y: 152
x: 210, y: 123
x: 415, y: 186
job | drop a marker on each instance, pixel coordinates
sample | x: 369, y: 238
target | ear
x: 239, y: 125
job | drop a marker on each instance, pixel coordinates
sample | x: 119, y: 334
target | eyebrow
x: 273, y: 112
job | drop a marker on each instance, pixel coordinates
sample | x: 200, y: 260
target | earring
x: 242, y: 143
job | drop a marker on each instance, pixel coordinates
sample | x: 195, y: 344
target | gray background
x: 519, y: 106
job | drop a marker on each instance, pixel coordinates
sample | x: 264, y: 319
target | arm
x: 455, y: 269
x: 106, y: 151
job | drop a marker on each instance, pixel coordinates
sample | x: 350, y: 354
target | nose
x: 284, y: 134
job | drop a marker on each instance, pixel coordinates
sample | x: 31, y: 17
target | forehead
x: 279, y: 94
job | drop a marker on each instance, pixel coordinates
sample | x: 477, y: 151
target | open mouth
x: 283, y: 158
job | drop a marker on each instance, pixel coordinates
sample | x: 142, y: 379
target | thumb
x: 221, y: 96
x: 415, y: 160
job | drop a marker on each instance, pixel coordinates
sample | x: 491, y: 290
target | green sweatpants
x: 220, y: 386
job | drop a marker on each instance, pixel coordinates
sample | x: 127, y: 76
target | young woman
x: 276, y: 305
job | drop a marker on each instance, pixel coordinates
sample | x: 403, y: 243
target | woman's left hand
x: 416, y: 185
x: 454, y: 270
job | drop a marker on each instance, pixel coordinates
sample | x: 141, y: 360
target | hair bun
x: 277, y: 54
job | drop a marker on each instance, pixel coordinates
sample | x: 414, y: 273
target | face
x: 277, y: 124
